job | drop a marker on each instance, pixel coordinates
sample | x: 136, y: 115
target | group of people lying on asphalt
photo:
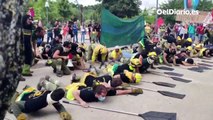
x: 118, y: 68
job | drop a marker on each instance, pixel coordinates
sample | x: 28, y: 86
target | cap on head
x: 189, y: 48
x: 189, y: 40
x: 135, y: 62
x: 178, y: 38
x: 152, y: 54
x: 117, y: 47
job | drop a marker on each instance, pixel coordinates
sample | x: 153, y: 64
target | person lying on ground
x: 96, y: 94
x: 31, y: 100
x: 169, y: 56
x: 115, y: 69
x: 147, y: 60
x: 187, y: 43
x: 204, y: 52
x: 185, y: 61
x: 90, y: 78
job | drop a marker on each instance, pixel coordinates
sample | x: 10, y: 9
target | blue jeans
x: 49, y: 37
x: 75, y: 38
x: 192, y: 35
x: 201, y: 36
x: 83, y: 37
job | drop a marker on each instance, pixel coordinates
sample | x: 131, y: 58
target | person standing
x: 83, y: 33
x: 56, y: 29
x: 27, y: 28
x: 49, y: 32
x: 90, y: 31
x: 98, y: 30
x: 201, y: 32
x: 75, y: 32
x: 191, y: 31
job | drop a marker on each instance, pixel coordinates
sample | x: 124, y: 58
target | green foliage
x: 148, y: 16
x: 58, y: 10
x: 122, y: 8
x: 93, y: 13
x: 64, y: 9
x: 172, y: 4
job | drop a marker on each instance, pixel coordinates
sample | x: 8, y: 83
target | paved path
x: 197, y: 105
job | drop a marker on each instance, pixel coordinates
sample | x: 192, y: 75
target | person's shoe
x: 59, y: 73
x: 40, y: 83
x: 73, y: 78
x: 49, y: 63
x: 137, y: 91
x: 27, y: 74
x: 26, y: 70
x: 22, y: 79
x: 22, y: 116
x: 54, y: 70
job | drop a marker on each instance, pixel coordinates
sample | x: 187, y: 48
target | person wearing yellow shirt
x: 100, y: 53
x: 116, y: 54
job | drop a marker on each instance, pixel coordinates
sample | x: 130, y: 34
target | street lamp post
x: 156, y: 19
x: 47, y: 6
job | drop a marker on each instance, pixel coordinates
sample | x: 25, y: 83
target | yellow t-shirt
x: 115, y: 55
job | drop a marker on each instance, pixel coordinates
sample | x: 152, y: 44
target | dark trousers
x: 27, y: 50
x: 49, y: 37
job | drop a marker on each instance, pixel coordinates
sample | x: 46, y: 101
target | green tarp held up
x: 117, y: 31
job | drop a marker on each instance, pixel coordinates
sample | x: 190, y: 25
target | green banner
x: 117, y: 31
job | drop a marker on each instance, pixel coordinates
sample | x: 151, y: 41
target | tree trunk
x: 10, y: 51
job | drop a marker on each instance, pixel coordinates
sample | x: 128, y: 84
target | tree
x: 64, y: 8
x: 122, y: 8
x: 149, y: 17
x: 10, y: 52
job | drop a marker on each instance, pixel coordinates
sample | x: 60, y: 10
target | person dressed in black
x: 147, y: 62
x: 90, y: 30
x: 46, y: 53
x: 97, y: 27
x: 70, y: 29
x: 30, y: 100
x: 90, y: 79
x: 169, y: 56
x: 78, y: 53
x: 56, y: 29
x: 60, y: 58
x: 26, y: 41
x: 133, y: 66
x: 56, y: 42
x: 185, y: 61
x: 170, y: 39
x: 97, y: 93
x: 187, y: 43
